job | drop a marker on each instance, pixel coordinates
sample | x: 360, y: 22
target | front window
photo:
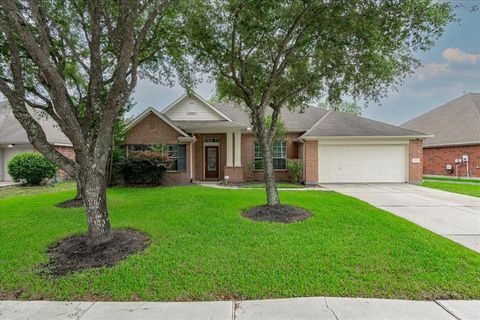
x: 177, y: 153
x: 279, y: 154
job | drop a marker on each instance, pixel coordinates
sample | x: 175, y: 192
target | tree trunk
x: 94, y: 191
x: 78, y: 196
x: 270, y: 185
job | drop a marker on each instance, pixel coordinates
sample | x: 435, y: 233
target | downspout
x: 303, y: 160
x: 191, y: 161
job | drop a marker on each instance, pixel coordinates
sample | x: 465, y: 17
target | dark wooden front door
x: 211, y: 162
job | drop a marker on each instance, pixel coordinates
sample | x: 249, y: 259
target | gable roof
x: 194, y: 94
x: 152, y: 110
x: 341, y: 124
x: 12, y: 132
x: 312, y: 122
x: 454, y: 123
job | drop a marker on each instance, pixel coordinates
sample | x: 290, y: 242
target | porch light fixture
x: 11, y: 145
x: 249, y: 129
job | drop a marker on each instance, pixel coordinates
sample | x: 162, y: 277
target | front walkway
x: 8, y: 184
x: 315, y: 308
x: 452, y: 215
x: 217, y: 185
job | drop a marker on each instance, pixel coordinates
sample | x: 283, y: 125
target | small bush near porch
x: 203, y: 249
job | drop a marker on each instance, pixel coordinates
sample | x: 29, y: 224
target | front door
x: 211, y: 162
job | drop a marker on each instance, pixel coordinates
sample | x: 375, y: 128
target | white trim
x: 149, y: 110
x: 229, y: 149
x: 186, y: 139
x: 211, y: 130
x: 327, y: 138
x: 192, y: 143
x: 237, y: 161
x: 363, y: 141
x: 194, y: 94
x: 62, y: 145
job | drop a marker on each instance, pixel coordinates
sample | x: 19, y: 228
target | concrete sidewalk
x: 315, y: 308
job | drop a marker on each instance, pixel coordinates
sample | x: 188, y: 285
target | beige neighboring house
x: 214, y: 141
x: 14, y: 140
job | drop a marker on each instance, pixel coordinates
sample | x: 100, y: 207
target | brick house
x: 214, y: 141
x: 14, y: 139
x: 454, y: 148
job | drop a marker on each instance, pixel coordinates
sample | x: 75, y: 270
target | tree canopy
x: 78, y: 61
x: 274, y: 54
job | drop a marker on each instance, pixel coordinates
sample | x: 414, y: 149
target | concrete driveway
x: 452, y: 215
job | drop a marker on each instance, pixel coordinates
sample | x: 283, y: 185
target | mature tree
x: 344, y: 106
x: 271, y: 54
x: 78, y: 61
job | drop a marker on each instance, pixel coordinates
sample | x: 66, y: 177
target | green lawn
x: 470, y: 189
x: 453, y: 179
x: 202, y: 249
x: 23, y: 190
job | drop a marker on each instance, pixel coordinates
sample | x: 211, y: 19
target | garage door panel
x: 362, y: 163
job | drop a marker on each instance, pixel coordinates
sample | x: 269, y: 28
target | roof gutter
x: 327, y: 138
x: 454, y: 144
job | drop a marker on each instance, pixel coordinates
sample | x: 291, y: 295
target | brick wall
x: 311, y: 162
x: 235, y: 174
x: 248, y: 143
x: 70, y: 154
x: 436, y: 160
x: 152, y: 130
x: 415, y: 170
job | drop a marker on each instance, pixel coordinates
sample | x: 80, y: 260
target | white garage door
x: 362, y: 163
x: 9, y: 153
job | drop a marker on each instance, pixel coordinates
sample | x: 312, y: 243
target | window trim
x: 286, y: 157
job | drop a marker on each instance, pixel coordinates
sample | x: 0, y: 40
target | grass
x: 451, y: 179
x: 469, y: 189
x: 6, y: 192
x: 280, y: 185
x: 202, y: 249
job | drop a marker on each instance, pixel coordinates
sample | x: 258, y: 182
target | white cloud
x: 457, y: 55
x: 432, y: 70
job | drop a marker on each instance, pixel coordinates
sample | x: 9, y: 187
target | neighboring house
x: 454, y: 149
x: 214, y: 141
x: 14, y: 140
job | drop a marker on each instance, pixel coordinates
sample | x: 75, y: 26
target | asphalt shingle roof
x: 453, y: 123
x: 12, y: 132
x: 294, y: 121
x: 317, y: 122
x: 344, y: 125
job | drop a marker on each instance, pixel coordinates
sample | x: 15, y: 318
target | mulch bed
x: 72, y: 203
x: 73, y: 254
x: 278, y: 213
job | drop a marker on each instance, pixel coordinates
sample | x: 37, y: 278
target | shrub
x: 31, y: 168
x: 145, y: 167
x: 295, y: 169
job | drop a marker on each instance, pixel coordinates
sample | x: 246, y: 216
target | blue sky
x: 450, y: 68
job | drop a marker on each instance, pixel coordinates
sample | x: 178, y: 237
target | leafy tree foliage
x: 274, y: 54
x: 79, y: 60
x: 347, y: 107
